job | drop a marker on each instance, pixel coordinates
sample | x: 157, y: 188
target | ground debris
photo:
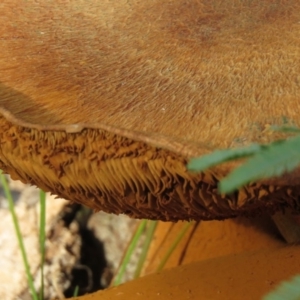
x: 76, y: 246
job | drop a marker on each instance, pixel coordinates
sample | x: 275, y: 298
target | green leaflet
x: 289, y: 290
x: 287, y: 129
x: 271, y: 161
x: 219, y: 156
x: 264, y: 161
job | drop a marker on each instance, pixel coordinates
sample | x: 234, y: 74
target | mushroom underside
x: 108, y: 172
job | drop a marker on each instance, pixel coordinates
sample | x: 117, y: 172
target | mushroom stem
x: 288, y: 225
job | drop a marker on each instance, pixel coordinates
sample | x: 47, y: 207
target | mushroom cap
x: 248, y: 275
x: 103, y: 103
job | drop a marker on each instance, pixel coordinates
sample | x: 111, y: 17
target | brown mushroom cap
x: 103, y: 103
x: 248, y: 275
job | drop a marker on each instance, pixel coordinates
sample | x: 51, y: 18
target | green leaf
x: 207, y: 161
x: 290, y: 129
x: 274, y: 160
x: 286, y: 290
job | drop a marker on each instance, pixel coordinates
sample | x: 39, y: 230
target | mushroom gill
x: 103, y: 103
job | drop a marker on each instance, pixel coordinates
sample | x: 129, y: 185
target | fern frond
x: 289, y: 290
x: 287, y: 129
x: 219, y: 156
x: 274, y: 160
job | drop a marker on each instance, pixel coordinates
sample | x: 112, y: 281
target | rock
x: 82, y: 249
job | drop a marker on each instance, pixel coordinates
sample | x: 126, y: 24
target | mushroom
x: 249, y: 275
x: 104, y: 103
x: 209, y: 240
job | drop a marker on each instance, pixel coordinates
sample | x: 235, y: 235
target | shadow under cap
x: 103, y: 104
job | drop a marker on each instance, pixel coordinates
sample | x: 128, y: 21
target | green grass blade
x: 19, y: 235
x: 129, y: 252
x: 76, y: 290
x: 142, y: 258
x: 271, y: 161
x: 42, y: 238
x: 177, y: 240
x: 219, y: 156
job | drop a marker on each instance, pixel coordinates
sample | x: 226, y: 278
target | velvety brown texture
x: 103, y: 102
x: 206, y: 240
x: 249, y: 276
